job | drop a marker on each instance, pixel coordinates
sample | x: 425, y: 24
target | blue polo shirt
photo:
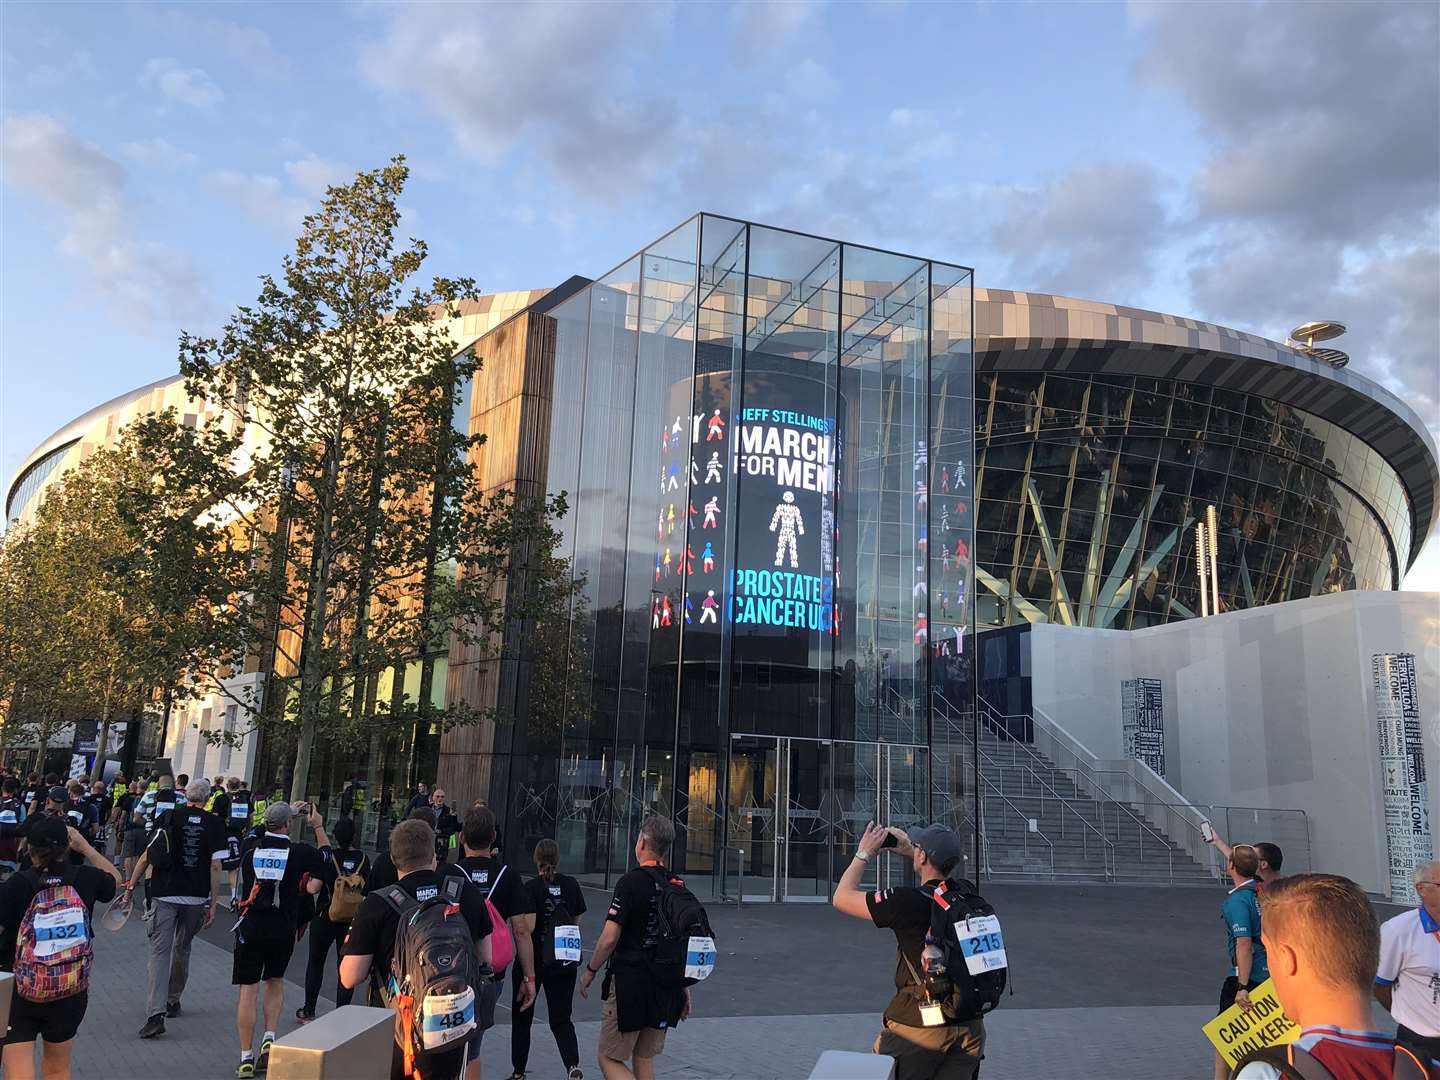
x: 1241, y: 912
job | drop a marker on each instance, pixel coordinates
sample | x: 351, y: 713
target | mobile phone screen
x: 890, y: 840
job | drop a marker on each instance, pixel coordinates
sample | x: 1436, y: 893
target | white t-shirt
x: 1410, y: 964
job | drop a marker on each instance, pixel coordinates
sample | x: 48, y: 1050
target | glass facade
x: 1089, y: 488
x: 766, y: 440
x: 29, y: 484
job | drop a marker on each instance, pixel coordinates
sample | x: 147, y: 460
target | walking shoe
x: 245, y: 1068
x: 303, y: 1015
x: 576, y: 1074
x: 263, y: 1061
x: 517, y: 1075
x: 172, y: 1008
x: 154, y: 1026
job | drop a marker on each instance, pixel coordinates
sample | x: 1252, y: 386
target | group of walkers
x: 433, y: 934
x: 1316, y: 936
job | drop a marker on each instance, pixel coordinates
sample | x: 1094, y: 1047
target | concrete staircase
x: 1038, y: 825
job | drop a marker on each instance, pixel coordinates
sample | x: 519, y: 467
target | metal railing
x: 1133, y: 786
x: 1067, y: 811
x: 1055, y: 747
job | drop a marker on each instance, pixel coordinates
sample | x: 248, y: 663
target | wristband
x: 863, y: 856
x: 591, y: 970
x: 531, y: 978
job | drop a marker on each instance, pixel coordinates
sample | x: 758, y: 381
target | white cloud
x: 764, y: 29
x: 158, y: 153
x: 313, y: 174
x: 248, y: 47
x: 265, y: 198
x: 145, y: 282
x: 177, y: 83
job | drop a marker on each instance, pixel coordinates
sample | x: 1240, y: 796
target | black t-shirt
x: 23, y: 830
x: 235, y: 810
x: 633, y: 907
x: 373, y: 931
x: 542, y: 893
x: 509, y: 896
x: 93, y: 885
x: 275, y: 911
x: 196, y: 838
x: 906, y: 911
x: 81, y: 813
x: 382, y: 873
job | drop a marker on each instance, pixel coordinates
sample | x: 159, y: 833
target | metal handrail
x: 1025, y: 843
x: 1061, y: 800
x: 1109, y: 856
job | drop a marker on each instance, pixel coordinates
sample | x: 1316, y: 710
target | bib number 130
x: 982, y: 944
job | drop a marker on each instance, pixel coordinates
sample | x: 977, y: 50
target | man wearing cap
x: 269, y: 906
x: 57, y: 801
x: 951, y: 1049
x: 184, y: 856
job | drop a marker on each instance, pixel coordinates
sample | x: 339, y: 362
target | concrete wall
x: 1272, y: 707
x: 192, y: 754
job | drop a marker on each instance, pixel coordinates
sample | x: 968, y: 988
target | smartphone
x: 1207, y: 831
x: 890, y: 840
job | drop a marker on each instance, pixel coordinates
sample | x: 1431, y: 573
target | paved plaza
x: 1109, y: 984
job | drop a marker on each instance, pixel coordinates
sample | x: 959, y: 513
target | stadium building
x: 856, y: 540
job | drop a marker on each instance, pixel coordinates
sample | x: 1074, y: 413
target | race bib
x: 8, y: 817
x: 982, y: 944
x: 270, y: 863
x: 75, y: 816
x: 446, y: 1018
x: 56, y: 931
x: 700, y: 958
x: 239, y: 812
x: 567, y: 943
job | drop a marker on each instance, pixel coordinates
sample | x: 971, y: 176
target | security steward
x: 951, y: 1050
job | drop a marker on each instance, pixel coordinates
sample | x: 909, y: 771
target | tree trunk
x: 358, y: 677
x: 317, y: 613
x: 102, y: 740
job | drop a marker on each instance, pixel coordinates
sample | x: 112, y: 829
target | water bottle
x: 932, y: 960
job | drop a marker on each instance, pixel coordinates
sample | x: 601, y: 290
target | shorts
x: 133, y: 845
x: 257, y: 959
x: 53, y: 1021
x: 623, y: 1045
x: 1231, y: 988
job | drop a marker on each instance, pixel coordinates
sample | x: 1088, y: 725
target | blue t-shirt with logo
x: 1241, y: 912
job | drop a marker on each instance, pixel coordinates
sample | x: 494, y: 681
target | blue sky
x: 1252, y: 164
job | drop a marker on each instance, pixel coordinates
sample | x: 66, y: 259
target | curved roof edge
x: 1043, y: 332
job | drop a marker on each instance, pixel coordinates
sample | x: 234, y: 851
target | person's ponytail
x: 547, y: 859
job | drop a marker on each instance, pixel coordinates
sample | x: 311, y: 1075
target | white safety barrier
x: 347, y: 1044
x: 848, y: 1065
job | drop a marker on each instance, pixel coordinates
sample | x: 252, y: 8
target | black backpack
x: 684, y: 952
x: 1294, y: 1063
x: 557, y: 913
x: 433, y: 972
x: 10, y: 815
x: 965, y: 927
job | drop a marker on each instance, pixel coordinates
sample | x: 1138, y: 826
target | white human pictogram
x: 712, y: 508
x: 713, y: 468
x: 788, y: 522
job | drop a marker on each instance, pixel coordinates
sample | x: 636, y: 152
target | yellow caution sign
x: 1237, y: 1032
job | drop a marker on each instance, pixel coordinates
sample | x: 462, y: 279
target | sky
x: 1255, y: 165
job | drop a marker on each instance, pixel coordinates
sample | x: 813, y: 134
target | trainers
x: 154, y: 1026
x: 245, y: 1068
x: 172, y: 1009
x: 576, y: 1074
x: 263, y: 1061
x: 303, y: 1015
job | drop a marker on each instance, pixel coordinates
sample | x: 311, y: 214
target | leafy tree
x: 375, y: 544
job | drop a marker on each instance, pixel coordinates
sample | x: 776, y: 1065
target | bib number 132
x: 982, y: 944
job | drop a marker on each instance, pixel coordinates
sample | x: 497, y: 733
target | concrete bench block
x: 848, y: 1065
x: 346, y: 1044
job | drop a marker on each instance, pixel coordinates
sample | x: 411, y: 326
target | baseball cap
x: 46, y: 831
x: 58, y: 794
x: 278, y: 815
x: 940, y: 845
